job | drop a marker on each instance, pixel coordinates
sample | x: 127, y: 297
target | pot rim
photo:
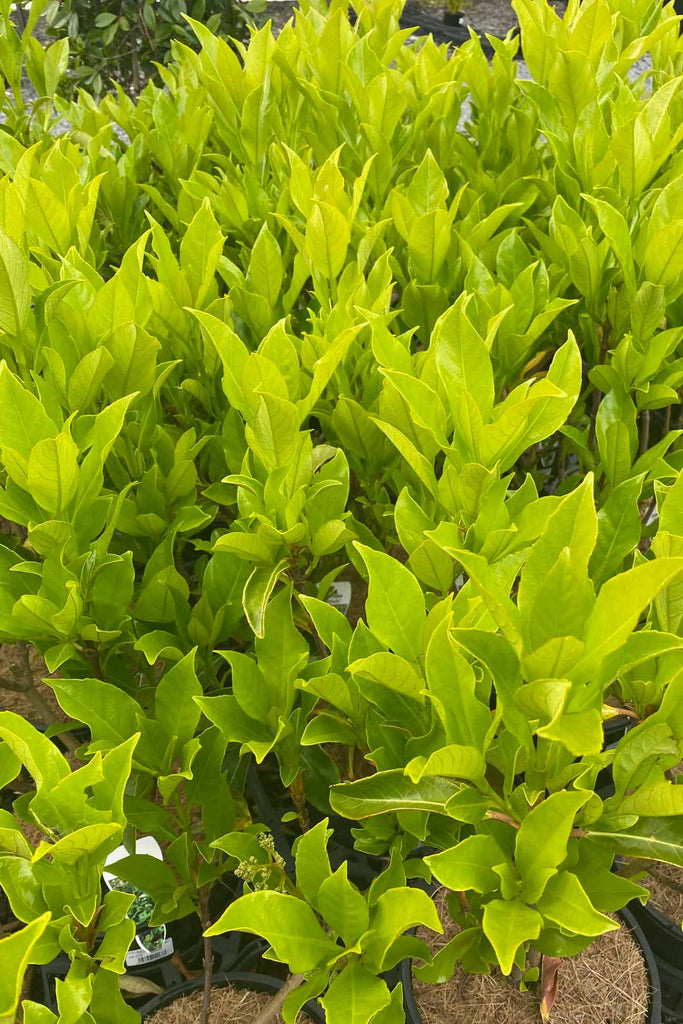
x: 654, y: 1015
x: 241, y: 979
x: 639, y: 909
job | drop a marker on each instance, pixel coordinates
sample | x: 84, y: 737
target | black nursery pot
x: 363, y: 868
x: 666, y: 941
x: 255, y: 982
x: 453, y: 17
x: 230, y: 952
x: 654, y: 1015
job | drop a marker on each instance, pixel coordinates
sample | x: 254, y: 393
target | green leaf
x: 257, y: 593
x: 342, y: 907
x: 23, y: 420
x: 110, y: 713
x: 275, y: 433
x: 390, y: 791
x: 312, y: 862
x: 200, y: 251
x: 288, y: 924
x: 10, y: 765
x: 327, y: 239
x: 463, y: 360
x: 618, y: 608
x: 541, y: 843
x: 394, y: 912
x: 619, y: 530
x: 648, y: 839
x: 469, y: 865
x: 265, y: 266
x: 282, y: 651
x: 615, y: 430
x: 660, y: 799
x: 328, y: 620
x: 15, y: 955
x: 565, y: 902
x: 663, y: 262
x: 232, y: 352
x: 507, y: 924
x: 465, y: 718
x: 355, y: 995
x: 395, y: 607
x: 174, y: 707
x: 15, y: 292
x: 53, y: 473
x: 573, y: 526
x: 87, y: 378
x: 327, y: 729
x: 454, y: 761
x: 41, y: 757
x: 249, y: 546
x: 391, y: 671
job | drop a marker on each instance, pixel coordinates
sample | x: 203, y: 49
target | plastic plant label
x: 340, y: 596
x: 152, y: 943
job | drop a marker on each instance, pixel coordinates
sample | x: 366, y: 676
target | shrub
x: 331, y: 304
x: 123, y: 41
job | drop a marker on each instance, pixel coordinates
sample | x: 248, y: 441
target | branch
x: 208, y: 955
x: 275, y: 1005
x: 24, y: 682
x: 576, y: 833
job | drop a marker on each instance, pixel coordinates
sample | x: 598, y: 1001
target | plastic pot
x: 666, y: 940
x: 453, y: 18
x: 613, y: 729
x: 654, y: 1015
x: 256, y: 982
x: 230, y: 952
x: 362, y: 868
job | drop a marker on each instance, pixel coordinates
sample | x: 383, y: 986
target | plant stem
x: 275, y: 1005
x: 645, y: 432
x: 576, y: 833
x: 297, y: 793
x: 208, y: 955
x: 23, y: 682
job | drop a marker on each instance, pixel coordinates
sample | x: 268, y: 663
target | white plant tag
x: 340, y: 596
x: 150, y: 943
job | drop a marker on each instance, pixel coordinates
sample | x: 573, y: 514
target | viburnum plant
x: 342, y: 306
x: 55, y: 887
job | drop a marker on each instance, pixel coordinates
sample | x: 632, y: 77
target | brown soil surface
x: 32, y: 833
x: 228, y: 1006
x: 606, y: 984
x: 10, y: 700
x: 666, y: 891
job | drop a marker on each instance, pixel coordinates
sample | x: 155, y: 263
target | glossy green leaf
x: 395, y: 607
x: 355, y: 996
x: 15, y: 951
x: 565, y: 902
x: 541, y: 842
x: 288, y: 924
x: 469, y: 865
x: 507, y: 924
x: 390, y: 791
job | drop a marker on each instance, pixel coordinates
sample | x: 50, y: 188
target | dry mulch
x: 606, y: 984
x: 228, y: 1006
x: 666, y: 890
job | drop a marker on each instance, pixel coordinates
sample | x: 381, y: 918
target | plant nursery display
x: 341, y: 522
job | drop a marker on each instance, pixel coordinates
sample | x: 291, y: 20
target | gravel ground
x: 493, y: 16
